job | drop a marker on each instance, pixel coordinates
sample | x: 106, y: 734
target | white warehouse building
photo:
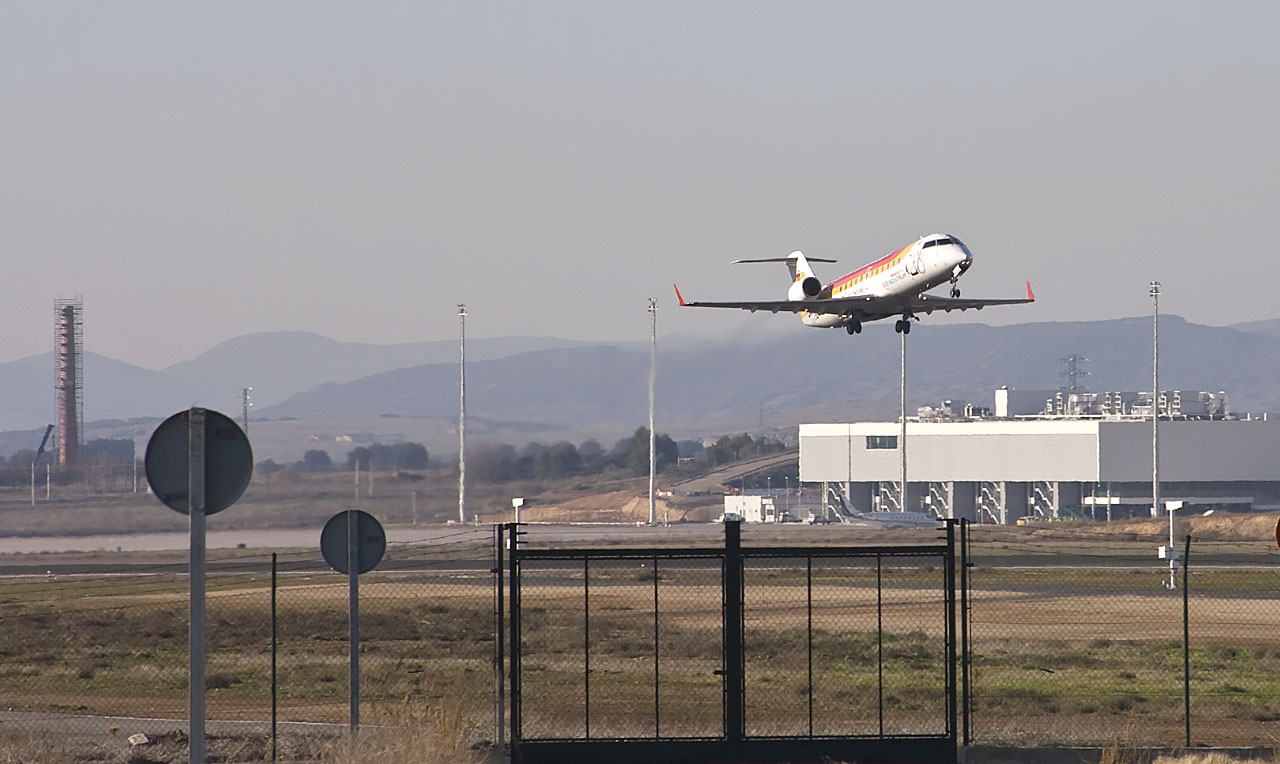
x: 997, y: 470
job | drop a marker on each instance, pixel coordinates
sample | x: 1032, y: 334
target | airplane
x: 894, y: 285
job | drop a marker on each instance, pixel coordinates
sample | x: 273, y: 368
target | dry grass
x: 26, y: 749
x: 1203, y: 758
x: 409, y: 733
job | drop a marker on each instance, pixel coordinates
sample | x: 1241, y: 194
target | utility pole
x: 653, y: 382
x: 462, y: 413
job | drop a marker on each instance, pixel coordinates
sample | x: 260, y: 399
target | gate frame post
x: 513, y: 620
x: 966, y: 656
x: 951, y: 631
x: 500, y: 658
x: 733, y: 625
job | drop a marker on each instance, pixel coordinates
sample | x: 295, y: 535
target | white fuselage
x: 914, y: 269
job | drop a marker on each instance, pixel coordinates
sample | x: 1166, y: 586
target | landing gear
x: 854, y: 326
x: 903, y: 326
x: 955, y: 289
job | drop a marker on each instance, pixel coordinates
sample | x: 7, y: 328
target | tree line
x: 487, y: 461
x: 499, y: 462
x: 379, y: 456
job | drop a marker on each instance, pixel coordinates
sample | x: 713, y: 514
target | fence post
x: 950, y: 596
x: 586, y: 646
x: 966, y: 665
x: 657, y: 707
x: 513, y: 578
x: 500, y: 658
x: 1186, y: 643
x: 734, y: 688
x: 274, y: 643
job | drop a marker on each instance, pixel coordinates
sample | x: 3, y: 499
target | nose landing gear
x: 955, y: 289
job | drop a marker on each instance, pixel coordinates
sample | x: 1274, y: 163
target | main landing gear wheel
x: 955, y: 291
x: 853, y: 327
x: 903, y: 326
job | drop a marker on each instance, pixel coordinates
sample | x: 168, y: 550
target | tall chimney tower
x: 68, y: 328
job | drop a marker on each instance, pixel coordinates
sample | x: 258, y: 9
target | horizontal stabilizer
x: 782, y: 260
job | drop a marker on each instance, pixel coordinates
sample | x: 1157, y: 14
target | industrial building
x: 1092, y: 459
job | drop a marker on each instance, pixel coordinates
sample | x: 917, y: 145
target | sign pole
x: 353, y: 542
x: 353, y: 618
x: 198, y: 462
x: 196, y: 500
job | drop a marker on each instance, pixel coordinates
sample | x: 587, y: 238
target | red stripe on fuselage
x: 886, y: 261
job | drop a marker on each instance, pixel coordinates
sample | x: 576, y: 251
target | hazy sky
x: 203, y: 170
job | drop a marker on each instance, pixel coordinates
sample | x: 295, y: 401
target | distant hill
x: 813, y: 370
x: 704, y: 387
x: 1268, y: 328
x: 280, y: 364
x: 276, y: 364
x: 114, y: 390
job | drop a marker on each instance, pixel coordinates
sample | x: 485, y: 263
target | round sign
x: 371, y: 541
x: 228, y: 462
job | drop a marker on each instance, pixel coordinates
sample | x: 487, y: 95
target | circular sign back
x: 228, y: 462
x: 371, y: 541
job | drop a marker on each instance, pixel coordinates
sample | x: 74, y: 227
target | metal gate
x: 734, y: 654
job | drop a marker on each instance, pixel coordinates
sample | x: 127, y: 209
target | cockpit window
x: 928, y: 244
x: 941, y: 242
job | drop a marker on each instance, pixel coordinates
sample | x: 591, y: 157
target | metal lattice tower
x: 1074, y: 374
x: 68, y: 380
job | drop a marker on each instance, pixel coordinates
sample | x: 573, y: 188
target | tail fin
x: 796, y: 262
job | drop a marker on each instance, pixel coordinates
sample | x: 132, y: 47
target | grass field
x: 1074, y: 654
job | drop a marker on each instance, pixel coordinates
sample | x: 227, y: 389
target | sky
x: 199, y: 171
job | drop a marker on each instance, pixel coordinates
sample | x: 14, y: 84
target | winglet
x: 1030, y: 295
x: 682, y: 302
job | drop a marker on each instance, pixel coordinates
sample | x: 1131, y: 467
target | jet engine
x: 804, y: 289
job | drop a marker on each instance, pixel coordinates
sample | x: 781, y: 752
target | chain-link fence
x: 1074, y: 636
x: 105, y: 654
x: 699, y: 651
x: 1077, y: 638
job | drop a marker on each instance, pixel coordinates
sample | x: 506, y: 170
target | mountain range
x: 811, y: 369
x: 784, y: 378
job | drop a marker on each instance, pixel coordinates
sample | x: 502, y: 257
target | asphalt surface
x: 470, y: 549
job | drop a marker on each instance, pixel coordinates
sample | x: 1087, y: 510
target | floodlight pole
x: 1155, y: 398
x: 653, y: 382
x: 462, y: 413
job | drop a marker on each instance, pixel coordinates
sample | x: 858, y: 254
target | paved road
x: 469, y: 549
x: 727, y: 474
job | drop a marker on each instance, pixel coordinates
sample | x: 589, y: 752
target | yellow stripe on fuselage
x: 845, y: 283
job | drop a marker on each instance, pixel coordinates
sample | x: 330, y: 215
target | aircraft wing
x: 839, y: 305
x: 773, y: 306
x: 928, y: 303
x: 866, y: 305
